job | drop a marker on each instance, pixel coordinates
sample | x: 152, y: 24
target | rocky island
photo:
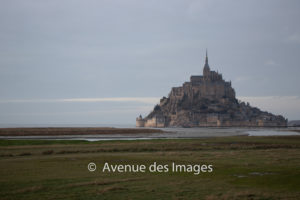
x: 207, y: 101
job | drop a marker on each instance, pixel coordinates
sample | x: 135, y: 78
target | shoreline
x: 109, y: 133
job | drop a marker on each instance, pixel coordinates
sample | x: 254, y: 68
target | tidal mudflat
x: 108, y: 133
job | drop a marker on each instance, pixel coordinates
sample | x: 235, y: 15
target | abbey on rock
x: 207, y: 101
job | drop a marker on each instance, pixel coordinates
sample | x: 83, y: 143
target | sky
x: 107, y: 61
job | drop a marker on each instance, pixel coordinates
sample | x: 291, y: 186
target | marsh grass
x: 73, y: 131
x: 244, y: 168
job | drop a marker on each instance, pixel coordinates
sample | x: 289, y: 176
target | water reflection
x: 171, y: 133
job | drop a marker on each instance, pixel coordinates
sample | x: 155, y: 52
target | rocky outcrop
x: 206, y: 100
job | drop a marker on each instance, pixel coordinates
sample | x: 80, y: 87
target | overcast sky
x: 107, y: 61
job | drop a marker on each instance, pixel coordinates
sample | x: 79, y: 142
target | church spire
x: 206, y: 70
x: 206, y: 58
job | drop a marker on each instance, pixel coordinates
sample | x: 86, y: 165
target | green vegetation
x: 74, y: 131
x: 244, y: 168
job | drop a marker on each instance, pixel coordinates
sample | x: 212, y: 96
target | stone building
x: 206, y: 101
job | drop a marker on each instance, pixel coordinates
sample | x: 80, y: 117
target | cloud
x: 243, y: 79
x: 195, y: 8
x: 271, y: 63
x: 110, y: 111
x: 248, y: 79
x: 294, y: 38
x: 127, y: 108
x: 147, y: 100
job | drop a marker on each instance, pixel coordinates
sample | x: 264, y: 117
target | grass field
x: 243, y: 168
x: 51, y: 131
